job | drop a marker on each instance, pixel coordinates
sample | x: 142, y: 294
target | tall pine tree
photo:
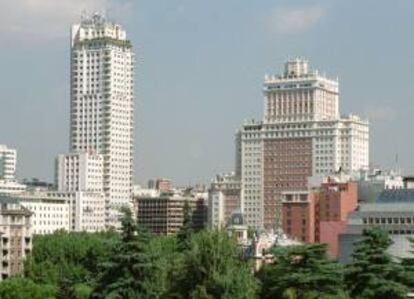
x: 124, y: 274
x: 186, y: 230
x: 212, y: 269
x: 374, y: 274
x: 302, y: 272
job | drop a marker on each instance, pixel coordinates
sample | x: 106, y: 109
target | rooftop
x: 396, y: 196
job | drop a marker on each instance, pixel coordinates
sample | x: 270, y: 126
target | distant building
x: 224, y: 198
x: 81, y: 171
x: 409, y: 182
x: 79, y: 178
x: 372, y: 183
x: 393, y: 211
x: 163, y: 214
x: 302, y: 135
x: 102, y: 105
x: 151, y: 184
x: 51, y: 211
x: 319, y: 216
x: 15, y: 235
x: 11, y: 187
x: 163, y: 185
x: 60, y: 210
x: 8, y: 160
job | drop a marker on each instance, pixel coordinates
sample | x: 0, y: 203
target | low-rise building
x: 372, y: 182
x: 164, y: 214
x: 15, y: 237
x: 59, y: 210
x: 320, y: 215
x: 50, y: 210
x: 393, y: 211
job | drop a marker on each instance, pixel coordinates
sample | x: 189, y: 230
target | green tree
x: 64, y: 259
x: 123, y: 275
x: 408, y: 265
x: 212, y: 269
x: 374, y: 274
x: 23, y: 288
x: 186, y: 230
x: 302, y: 272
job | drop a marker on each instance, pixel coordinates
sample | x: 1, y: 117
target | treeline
x: 201, y: 265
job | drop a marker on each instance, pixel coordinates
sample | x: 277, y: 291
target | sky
x: 199, y: 74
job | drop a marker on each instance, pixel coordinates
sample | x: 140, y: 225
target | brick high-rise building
x: 301, y: 135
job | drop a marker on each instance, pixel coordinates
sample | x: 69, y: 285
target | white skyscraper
x: 102, y: 105
x: 302, y: 135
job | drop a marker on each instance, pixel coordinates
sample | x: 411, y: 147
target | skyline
x: 206, y: 119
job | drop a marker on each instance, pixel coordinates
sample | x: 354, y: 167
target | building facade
x: 319, y: 216
x: 393, y: 212
x: 8, y: 159
x: 372, y: 182
x: 302, y: 135
x: 102, y: 105
x: 164, y: 214
x: 16, y: 237
x: 79, y: 172
x: 50, y: 210
x: 224, y: 198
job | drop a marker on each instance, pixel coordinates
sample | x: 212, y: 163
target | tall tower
x: 102, y: 105
x: 301, y: 135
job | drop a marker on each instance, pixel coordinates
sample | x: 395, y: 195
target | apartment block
x: 15, y: 237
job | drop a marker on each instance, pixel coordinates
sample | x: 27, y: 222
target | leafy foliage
x: 302, y: 272
x: 23, y: 288
x: 186, y: 230
x: 212, y: 269
x: 63, y: 257
x: 373, y: 272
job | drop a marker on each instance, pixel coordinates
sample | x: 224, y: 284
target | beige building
x: 302, y: 135
x: 16, y: 237
x: 224, y: 198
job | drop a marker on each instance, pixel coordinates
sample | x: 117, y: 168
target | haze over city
x: 199, y: 73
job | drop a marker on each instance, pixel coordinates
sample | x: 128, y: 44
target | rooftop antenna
x: 397, y: 168
x: 83, y: 15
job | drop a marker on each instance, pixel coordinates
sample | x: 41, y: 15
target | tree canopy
x: 374, y: 274
x: 302, y: 272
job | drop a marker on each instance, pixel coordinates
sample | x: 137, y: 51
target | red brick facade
x: 287, y: 166
x: 319, y: 216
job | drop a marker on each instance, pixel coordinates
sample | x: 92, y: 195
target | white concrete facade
x: 70, y: 211
x: 79, y: 172
x: 102, y: 105
x: 8, y: 159
x: 215, y: 212
x: 50, y: 210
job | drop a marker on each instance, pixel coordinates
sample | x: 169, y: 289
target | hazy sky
x: 200, y: 67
